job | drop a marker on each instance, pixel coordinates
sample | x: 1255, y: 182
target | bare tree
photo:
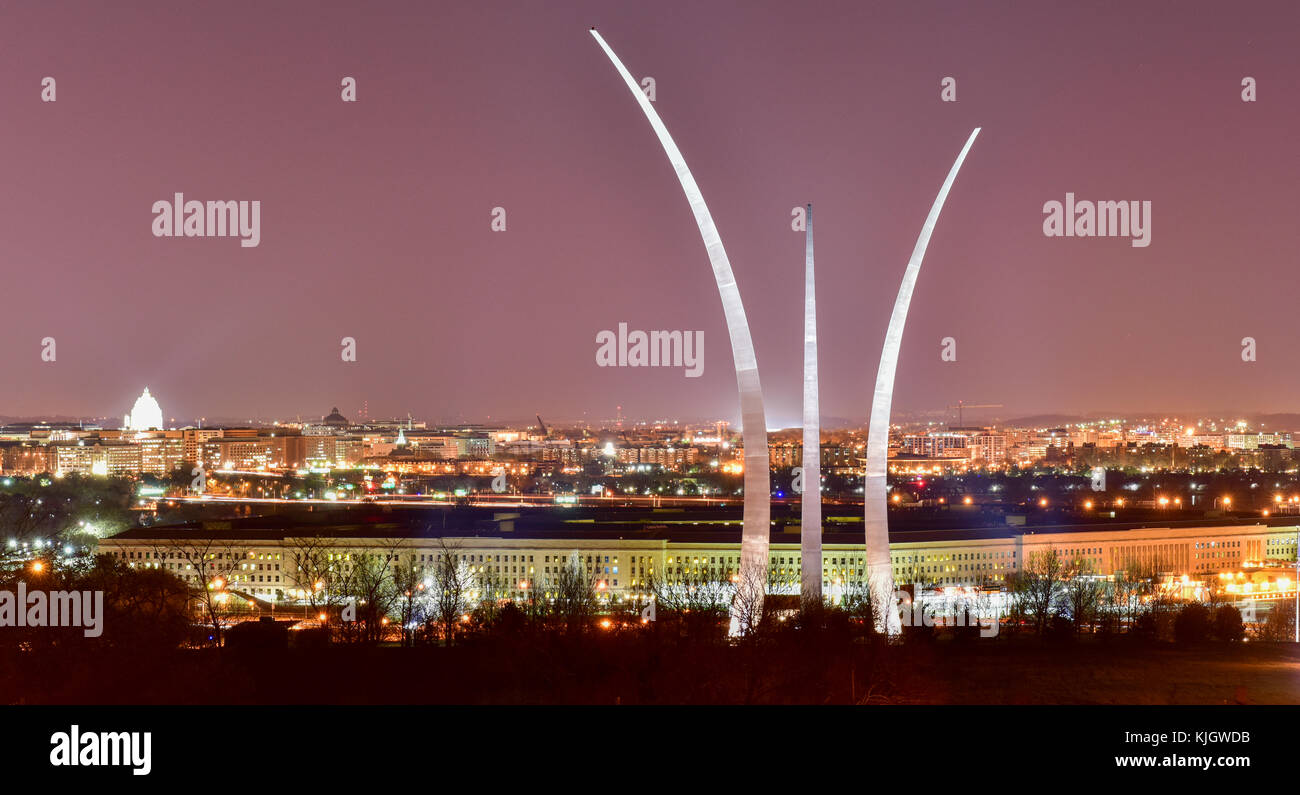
x: 1083, y: 593
x: 747, y: 602
x: 857, y: 603
x: 696, y: 601
x: 1036, y: 589
x: 411, y: 599
x: 313, y: 565
x: 1280, y: 624
x: 450, y: 586
x: 1131, y: 594
x: 368, y: 586
x: 210, y: 567
x: 483, y: 595
x: 573, y: 586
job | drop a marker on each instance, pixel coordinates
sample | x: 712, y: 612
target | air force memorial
x: 755, y: 538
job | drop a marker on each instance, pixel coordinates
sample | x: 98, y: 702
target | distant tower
x: 880, y: 573
x: 810, y: 507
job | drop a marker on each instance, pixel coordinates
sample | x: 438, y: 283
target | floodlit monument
x: 880, y: 574
x: 810, y: 507
x: 146, y: 414
x: 758, y: 495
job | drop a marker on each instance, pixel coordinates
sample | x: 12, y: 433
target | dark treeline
x: 154, y: 649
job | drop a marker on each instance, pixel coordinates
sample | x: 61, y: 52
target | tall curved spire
x: 758, y: 494
x: 810, y: 507
x: 880, y: 574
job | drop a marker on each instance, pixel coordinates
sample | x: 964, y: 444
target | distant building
x: 331, y: 424
x: 937, y: 445
x: 513, y: 554
x: 989, y: 447
x: 1254, y: 441
x: 145, y: 415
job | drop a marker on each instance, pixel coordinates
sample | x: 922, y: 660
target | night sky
x: 376, y: 214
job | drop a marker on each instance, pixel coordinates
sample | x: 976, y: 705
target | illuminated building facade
x: 624, y: 560
x: 145, y: 415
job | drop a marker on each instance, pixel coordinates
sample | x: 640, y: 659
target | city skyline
x: 939, y: 417
x: 366, y: 355
x: 376, y: 218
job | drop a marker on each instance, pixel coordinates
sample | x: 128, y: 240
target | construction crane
x: 961, y: 404
x: 542, y: 424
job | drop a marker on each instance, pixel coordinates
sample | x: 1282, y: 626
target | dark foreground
x: 639, y: 669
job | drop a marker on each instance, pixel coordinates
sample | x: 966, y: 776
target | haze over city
x: 376, y: 214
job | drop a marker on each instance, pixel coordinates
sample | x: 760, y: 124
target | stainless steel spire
x: 752, y: 580
x: 880, y: 574
x: 810, y: 516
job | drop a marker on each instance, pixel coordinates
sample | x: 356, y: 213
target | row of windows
x: 904, y: 564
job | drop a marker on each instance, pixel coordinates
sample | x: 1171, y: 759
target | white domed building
x: 145, y: 415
